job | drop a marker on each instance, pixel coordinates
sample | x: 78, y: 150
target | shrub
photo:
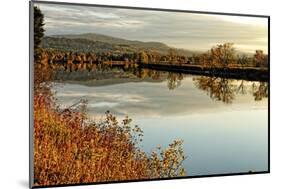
x: 69, y: 148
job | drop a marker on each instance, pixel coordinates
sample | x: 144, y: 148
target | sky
x: 180, y: 30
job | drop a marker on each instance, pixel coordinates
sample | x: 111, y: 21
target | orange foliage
x: 69, y: 149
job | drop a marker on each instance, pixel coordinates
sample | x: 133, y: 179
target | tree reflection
x: 217, y: 88
x: 155, y: 75
x: 220, y: 89
x: 174, y: 80
x: 260, y: 90
x: 144, y: 73
x: 224, y: 90
x: 241, y: 89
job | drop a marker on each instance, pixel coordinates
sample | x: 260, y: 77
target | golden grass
x: 69, y: 148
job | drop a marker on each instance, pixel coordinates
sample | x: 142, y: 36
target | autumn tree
x: 205, y: 59
x: 172, y: 55
x: 143, y: 58
x: 260, y: 59
x: 222, y: 55
x: 155, y: 57
x: 243, y: 60
x: 195, y: 59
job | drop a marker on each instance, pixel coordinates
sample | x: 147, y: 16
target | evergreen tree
x: 38, y: 27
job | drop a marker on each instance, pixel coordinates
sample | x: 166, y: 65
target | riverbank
x: 231, y: 72
x: 245, y: 73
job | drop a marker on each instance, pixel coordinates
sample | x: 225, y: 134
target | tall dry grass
x: 69, y: 148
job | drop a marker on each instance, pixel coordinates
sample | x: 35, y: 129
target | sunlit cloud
x: 181, y: 30
x: 245, y: 20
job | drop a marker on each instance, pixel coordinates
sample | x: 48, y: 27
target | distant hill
x: 102, y: 43
x: 97, y: 37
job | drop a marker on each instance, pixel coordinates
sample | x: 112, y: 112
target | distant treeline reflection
x: 217, y: 88
x: 220, y: 89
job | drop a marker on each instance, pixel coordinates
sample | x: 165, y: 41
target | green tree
x: 38, y: 27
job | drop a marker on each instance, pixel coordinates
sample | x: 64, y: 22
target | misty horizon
x: 190, y: 31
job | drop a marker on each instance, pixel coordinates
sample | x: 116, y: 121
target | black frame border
x: 31, y: 118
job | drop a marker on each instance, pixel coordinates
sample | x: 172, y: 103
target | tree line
x: 223, y: 55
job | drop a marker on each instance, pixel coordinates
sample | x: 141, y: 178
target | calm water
x: 223, y: 123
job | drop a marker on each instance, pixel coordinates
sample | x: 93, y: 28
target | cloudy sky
x: 180, y: 30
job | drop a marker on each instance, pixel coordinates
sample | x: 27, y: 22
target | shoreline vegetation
x: 220, y: 61
x: 69, y: 148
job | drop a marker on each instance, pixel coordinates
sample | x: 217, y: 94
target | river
x: 223, y: 122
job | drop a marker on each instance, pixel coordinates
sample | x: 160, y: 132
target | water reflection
x: 218, y: 89
x: 260, y: 90
x: 174, y: 80
x: 182, y: 106
x: 224, y: 90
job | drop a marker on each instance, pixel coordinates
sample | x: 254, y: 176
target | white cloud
x: 182, y: 30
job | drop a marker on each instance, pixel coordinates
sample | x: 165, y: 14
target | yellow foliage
x: 70, y: 149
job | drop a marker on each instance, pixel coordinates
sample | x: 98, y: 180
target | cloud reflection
x: 146, y: 99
